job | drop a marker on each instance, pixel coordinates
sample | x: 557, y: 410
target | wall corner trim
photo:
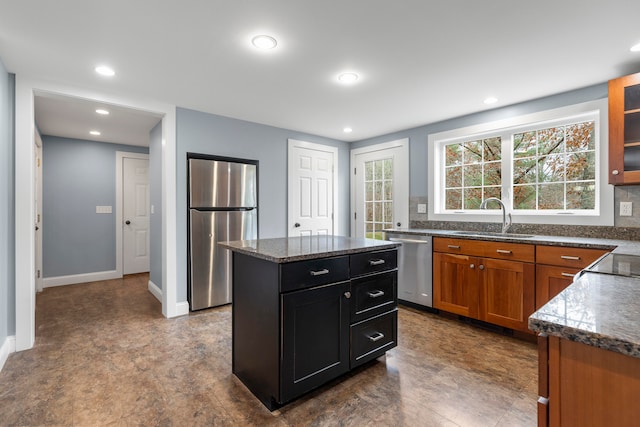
x: 182, y: 309
x: 155, y: 291
x: 8, y: 347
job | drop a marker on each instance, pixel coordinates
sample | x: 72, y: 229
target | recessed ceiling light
x: 490, y: 100
x: 264, y: 42
x: 348, y: 77
x: 94, y: 133
x: 105, y: 71
x: 101, y: 111
x: 347, y: 130
x: 635, y: 47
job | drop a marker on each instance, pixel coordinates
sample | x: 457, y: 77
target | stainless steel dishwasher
x: 415, y: 283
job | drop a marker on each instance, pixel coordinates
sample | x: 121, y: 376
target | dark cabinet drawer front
x: 373, y: 295
x: 373, y: 337
x: 305, y: 274
x: 372, y: 262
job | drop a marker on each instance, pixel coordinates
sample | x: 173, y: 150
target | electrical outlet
x: 626, y: 208
x: 422, y: 208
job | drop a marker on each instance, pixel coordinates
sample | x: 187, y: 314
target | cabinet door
x: 624, y: 130
x: 455, y: 284
x: 507, y: 293
x: 315, y: 334
x: 550, y: 281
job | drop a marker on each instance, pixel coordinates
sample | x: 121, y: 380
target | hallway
x: 105, y: 355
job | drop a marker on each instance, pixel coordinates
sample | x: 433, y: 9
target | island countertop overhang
x: 291, y: 249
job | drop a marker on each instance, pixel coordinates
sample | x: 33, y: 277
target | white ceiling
x: 74, y: 118
x: 420, y: 61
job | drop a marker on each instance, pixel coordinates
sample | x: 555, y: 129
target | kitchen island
x: 309, y: 309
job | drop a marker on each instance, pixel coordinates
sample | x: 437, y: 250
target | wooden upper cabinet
x: 624, y: 130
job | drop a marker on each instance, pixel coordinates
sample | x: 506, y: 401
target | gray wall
x: 7, y: 247
x: 210, y: 134
x: 155, y: 198
x: 418, y: 136
x: 78, y: 175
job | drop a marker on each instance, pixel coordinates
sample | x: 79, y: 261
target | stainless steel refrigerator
x: 223, y: 205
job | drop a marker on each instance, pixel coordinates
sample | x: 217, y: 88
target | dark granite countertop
x: 289, y: 249
x: 600, y: 310
x: 618, y: 246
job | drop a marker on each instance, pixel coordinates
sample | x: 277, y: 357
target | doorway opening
x: 379, y: 189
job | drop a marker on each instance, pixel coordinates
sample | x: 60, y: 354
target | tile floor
x: 105, y: 355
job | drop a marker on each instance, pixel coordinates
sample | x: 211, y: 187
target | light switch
x: 422, y: 208
x: 103, y: 209
x: 152, y: 209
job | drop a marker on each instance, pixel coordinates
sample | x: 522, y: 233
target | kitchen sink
x: 493, y: 234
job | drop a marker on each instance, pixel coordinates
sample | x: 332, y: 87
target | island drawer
x: 482, y: 248
x: 373, y: 337
x: 567, y: 256
x: 374, y: 294
x: 373, y: 262
x: 313, y: 272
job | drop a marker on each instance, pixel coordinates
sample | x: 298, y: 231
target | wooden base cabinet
x: 507, y: 293
x: 556, y: 267
x: 587, y: 386
x: 489, y: 281
x: 455, y: 284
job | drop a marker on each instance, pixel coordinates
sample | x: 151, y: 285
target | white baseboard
x: 182, y: 308
x: 49, y: 282
x: 155, y: 291
x: 8, y: 347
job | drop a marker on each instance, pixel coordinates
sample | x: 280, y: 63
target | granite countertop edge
x: 618, y: 246
x: 244, y: 247
x: 594, y: 339
x: 616, y: 328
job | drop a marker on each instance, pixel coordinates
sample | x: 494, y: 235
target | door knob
x: 127, y: 222
x: 347, y: 294
x: 297, y: 224
x: 398, y: 224
x: 37, y: 228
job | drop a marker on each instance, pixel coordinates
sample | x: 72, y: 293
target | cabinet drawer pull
x: 503, y: 251
x: 453, y: 246
x: 375, y: 294
x: 571, y: 258
x: 376, y: 337
x: 319, y: 272
x: 376, y: 261
x: 567, y: 274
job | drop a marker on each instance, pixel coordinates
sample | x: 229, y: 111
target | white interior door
x: 38, y: 210
x: 135, y: 210
x: 311, y: 189
x: 380, y: 188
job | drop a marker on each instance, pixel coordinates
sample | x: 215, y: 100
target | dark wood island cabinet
x: 307, y: 310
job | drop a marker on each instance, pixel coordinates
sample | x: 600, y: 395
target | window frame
x: 597, y: 111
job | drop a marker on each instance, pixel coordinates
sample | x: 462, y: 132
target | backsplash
x: 626, y: 227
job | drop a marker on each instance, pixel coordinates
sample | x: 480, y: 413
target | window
x: 545, y: 167
x: 554, y: 168
x: 378, y: 182
x: 472, y: 173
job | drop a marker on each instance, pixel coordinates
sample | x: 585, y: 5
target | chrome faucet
x: 505, y: 225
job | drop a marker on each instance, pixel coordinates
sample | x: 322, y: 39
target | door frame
x: 295, y: 143
x: 403, y: 144
x: 38, y: 194
x: 25, y: 90
x: 120, y: 156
